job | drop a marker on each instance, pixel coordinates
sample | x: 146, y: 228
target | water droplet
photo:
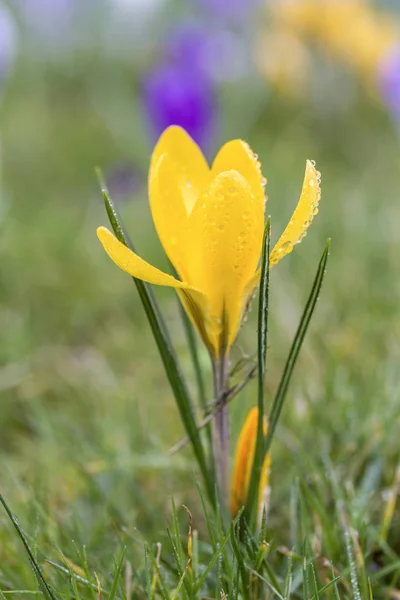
x: 285, y: 247
x: 245, y: 216
x: 263, y: 181
x: 312, y: 182
x: 221, y: 227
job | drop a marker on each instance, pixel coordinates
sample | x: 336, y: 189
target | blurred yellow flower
x: 243, y: 464
x: 284, y: 60
x: 350, y: 30
x: 210, y: 222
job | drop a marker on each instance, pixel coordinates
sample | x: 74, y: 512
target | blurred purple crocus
x: 389, y: 81
x: 8, y: 41
x: 175, y: 94
x: 208, y: 47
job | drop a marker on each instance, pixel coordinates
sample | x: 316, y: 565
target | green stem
x: 221, y: 430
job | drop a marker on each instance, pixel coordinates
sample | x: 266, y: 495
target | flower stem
x: 221, y: 431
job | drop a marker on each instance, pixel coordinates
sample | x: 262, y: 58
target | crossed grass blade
x: 42, y: 583
x: 165, y: 348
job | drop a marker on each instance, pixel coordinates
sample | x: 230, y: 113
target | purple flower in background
x: 389, y: 81
x: 8, y: 41
x: 175, y: 94
x: 208, y: 47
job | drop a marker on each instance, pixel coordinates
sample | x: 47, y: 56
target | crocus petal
x: 194, y: 302
x: 168, y: 209
x: 303, y: 215
x: 243, y: 464
x: 131, y: 263
x: 238, y: 155
x: 224, y: 240
x: 194, y: 173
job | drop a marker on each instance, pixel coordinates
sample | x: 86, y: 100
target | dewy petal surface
x: 238, y: 155
x: 193, y: 300
x: 192, y: 168
x: 224, y: 242
x: 168, y: 209
x: 302, y: 217
x: 131, y: 263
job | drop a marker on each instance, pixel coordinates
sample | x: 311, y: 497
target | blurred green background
x: 86, y: 414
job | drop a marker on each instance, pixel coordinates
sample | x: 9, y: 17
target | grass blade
x: 117, y: 576
x: 253, y: 495
x: 295, y: 348
x: 43, y: 585
x: 166, y: 351
x: 216, y: 554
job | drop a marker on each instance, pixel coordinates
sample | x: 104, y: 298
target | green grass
x: 86, y: 413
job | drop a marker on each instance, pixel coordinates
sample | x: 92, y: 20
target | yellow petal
x: 237, y: 155
x: 168, y: 210
x: 225, y: 235
x: 192, y: 167
x: 305, y: 210
x: 243, y: 464
x: 131, y: 263
x: 194, y: 302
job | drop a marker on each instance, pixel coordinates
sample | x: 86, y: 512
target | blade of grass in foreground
x: 166, y: 350
x: 292, y: 358
x: 253, y: 495
x: 43, y: 585
x: 295, y: 348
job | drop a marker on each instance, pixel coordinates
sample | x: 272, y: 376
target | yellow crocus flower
x: 210, y: 222
x: 243, y: 464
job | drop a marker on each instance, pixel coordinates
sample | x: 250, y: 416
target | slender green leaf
x: 166, y: 350
x: 253, y: 494
x: 242, y: 569
x: 67, y: 571
x: 43, y: 585
x: 148, y: 573
x: 335, y: 587
x: 306, y: 593
x: 288, y: 580
x: 329, y: 584
x: 216, y: 554
x: 314, y: 581
x: 156, y: 578
x: 209, y: 523
x: 117, y: 576
x: 295, y: 348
